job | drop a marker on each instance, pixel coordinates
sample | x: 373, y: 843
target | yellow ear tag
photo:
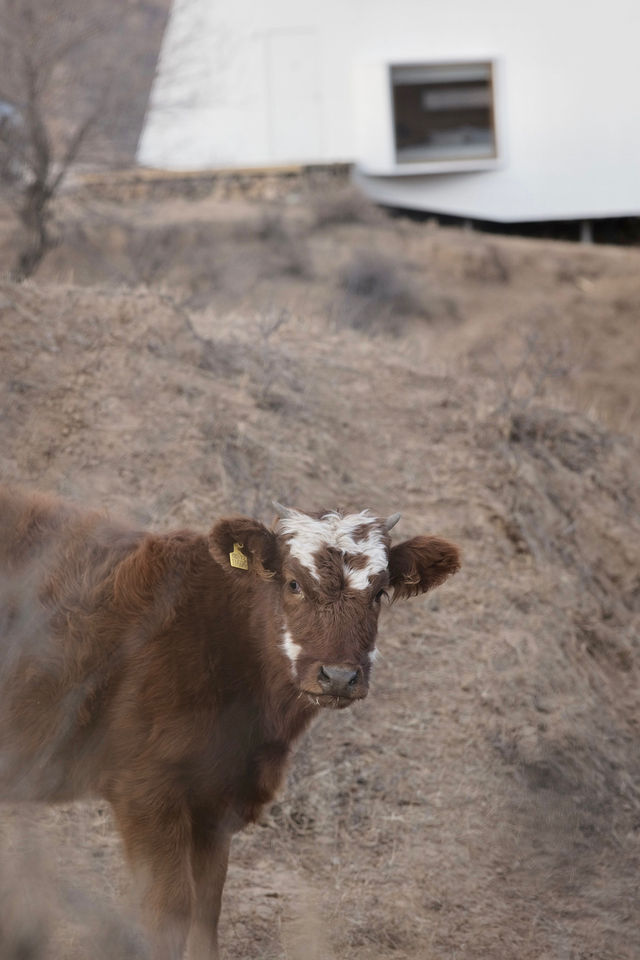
x: 237, y: 558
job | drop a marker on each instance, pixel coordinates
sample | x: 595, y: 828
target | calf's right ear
x: 243, y: 544
x: 422, y: 563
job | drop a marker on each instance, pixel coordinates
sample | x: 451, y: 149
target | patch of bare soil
x: 485, y: 800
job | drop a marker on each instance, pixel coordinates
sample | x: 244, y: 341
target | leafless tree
x: 62, y: 87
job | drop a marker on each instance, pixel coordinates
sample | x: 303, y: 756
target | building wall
x: 253, y: 83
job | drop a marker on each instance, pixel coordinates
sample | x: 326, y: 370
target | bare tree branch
x: 61, y: 95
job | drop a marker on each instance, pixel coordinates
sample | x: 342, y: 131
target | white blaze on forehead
x: 306, y: 536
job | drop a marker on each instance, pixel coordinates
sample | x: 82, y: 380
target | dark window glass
x: 443, y: 112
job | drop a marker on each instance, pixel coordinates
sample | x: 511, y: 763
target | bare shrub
x: 293, y: 257
x: 185, y: 254
x: 248, y: 467
x: 270, y: 226
x: 287, y: 247
x: 56, y: 76
x: 249, y: 477
x: 382, y: 297
x: 488, y: 264
x: 270, y: 362
x: 568, y: 768
x: 579, y: 271
x: 542, y: 363
x: 523, y: 416
x: 347, y: 205
x: 563, y: 435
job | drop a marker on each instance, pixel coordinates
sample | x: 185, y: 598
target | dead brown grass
x: 484, y: 801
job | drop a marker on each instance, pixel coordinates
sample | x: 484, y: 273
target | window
x: 443, y: 112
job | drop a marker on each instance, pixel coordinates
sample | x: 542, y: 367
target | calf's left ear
x: 243, y: 544
x: 417, y: 565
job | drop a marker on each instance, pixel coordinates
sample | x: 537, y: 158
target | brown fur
x: 144, y: 669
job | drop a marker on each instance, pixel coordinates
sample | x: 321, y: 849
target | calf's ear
x: 242, y: 544
x: 419, y: 564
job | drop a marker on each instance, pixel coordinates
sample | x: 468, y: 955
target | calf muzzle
x: 344, y: 682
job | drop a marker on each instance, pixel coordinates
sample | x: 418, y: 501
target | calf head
x: 327, y: 575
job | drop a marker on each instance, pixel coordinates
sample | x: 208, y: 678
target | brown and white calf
x: 170, y: 674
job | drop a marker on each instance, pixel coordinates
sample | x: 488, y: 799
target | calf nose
x: 338, y: 681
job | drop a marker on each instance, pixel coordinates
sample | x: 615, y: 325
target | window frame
x: 460, y: 162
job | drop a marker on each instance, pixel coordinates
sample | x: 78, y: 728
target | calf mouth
x: 331, y: 701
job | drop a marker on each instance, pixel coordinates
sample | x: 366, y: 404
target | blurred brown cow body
x: 170, y: 674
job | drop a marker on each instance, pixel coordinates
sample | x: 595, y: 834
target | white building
x: 501, y: 110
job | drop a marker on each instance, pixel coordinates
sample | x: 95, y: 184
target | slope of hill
x: 485, y: 800
x: 539, y: 317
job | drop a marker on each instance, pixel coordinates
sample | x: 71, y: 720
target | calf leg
x: 157, y: 842
x: 209, y: 858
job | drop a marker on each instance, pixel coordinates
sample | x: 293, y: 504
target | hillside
x: 323, y: 254
x: 202, y: 358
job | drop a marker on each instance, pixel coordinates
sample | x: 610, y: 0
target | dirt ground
x: 176, y: 360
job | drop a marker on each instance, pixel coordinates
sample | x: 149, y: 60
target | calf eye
x: 379, y: 595
x: 294, y: 586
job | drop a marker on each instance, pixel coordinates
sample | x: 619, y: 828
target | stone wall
x: 260, y: 183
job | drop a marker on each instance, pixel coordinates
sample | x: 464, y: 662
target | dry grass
x: 348, y: 205
x: 48, y: 912
x: 380, y: 296
x: 484, y: 801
